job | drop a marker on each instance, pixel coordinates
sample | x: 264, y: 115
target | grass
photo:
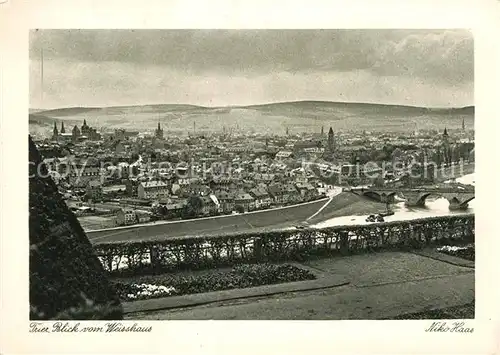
x: 465, y: 311
x: 348, y: 204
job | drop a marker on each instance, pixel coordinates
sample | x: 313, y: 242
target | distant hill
x: 299, y: 116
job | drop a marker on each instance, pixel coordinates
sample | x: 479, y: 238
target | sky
x: 430, y: 68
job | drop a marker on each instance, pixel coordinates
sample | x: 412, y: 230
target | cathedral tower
x: 55, y: 132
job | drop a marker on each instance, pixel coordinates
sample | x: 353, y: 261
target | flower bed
x: 465, y: 252
x: 241, y: 276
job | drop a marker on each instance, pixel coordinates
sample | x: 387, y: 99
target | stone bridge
x: 458, y: 195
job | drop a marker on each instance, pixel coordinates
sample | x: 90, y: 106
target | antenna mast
x: 41, y: 76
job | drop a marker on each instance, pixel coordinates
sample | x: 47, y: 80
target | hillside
x: 299, y: 116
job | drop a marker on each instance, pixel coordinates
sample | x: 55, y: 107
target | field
x: 96, y: 222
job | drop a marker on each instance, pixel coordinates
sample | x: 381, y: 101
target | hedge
x: 224, y: 250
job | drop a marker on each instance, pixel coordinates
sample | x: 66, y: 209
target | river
x: 433, y: 207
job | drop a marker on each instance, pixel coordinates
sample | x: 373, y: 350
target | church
x: 85, y: 133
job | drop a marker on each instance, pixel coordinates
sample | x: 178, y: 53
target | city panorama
x: 251, y: 174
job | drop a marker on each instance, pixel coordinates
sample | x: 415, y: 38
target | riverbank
x: 265, y: 220
x: 347, y: 204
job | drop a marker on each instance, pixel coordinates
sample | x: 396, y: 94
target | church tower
x: 445, y: 135
x: 446, y: 147
x: 159, y: 132
x: 62, y: 128
x: 322, y: 130
x: 331, y: 140
x: 55, y: 132
x: 463, y: 124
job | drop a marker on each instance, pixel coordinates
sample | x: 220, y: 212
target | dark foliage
x: 66, y: 278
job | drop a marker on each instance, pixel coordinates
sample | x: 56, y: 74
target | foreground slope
x: 67, y: 281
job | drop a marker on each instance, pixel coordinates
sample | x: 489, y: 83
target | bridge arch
x: 421, y: 198
x: 373, y: 195
x: 382, y: 196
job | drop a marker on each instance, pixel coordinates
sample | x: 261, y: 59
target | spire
x: 322, y: 130
x: 463, y: 124
x: 55, y: 133
x: 62, y: 128
x: 330, y: 132
x: 84, y: 122
x: 445, y: 133
x: 159, y: 128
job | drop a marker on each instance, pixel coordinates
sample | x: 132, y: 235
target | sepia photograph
x: 252, y: 175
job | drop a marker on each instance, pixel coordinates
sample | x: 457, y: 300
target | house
x: 284, y: 154
x: 261, y: 197
x: 226, y: 200
x: 143, y: 216
x: 277, y: 193
x: 174, y: 209
x: 244, y: 200
x: 80, y: 173
x: 119, y: 147
x: 222, y: 184
x: 208, y: 207
x: 125, y: 216
x: 264, y: 178
x: 152, y: 190
x: 291, y: 195
x: 306, y: 191
x: 93, y: 190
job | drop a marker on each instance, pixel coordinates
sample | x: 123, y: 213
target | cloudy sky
x: 238, y: 67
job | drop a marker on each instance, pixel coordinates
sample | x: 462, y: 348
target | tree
x: 193, y: 207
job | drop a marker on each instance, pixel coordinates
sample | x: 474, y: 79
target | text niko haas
x: 445, y: 327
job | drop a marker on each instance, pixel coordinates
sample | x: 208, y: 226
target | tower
x: 445, y: 135
x: 331, y: 140
x: 463, y: 124
x: 159, y: 132
x: 55, y: 133
x: 322, y: 130
x: 446, y: 147
x: 287, y: 132
x: 62, y: 128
